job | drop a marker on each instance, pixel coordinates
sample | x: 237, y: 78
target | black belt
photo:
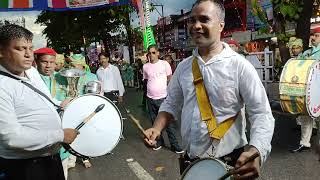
x: 35, y: 159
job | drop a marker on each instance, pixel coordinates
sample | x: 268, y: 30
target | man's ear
x: 221, y: 26
x: 1, y: 50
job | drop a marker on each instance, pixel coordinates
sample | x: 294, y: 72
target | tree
x: 285, y: 11
x: 68, y: 30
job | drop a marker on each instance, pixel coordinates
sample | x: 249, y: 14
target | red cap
x: 47, y: 51
x: 316, y: 30
x: 232, y: 41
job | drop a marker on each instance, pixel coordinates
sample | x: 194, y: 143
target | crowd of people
x: 207, y: 92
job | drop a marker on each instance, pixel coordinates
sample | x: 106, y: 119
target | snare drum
x: 204, y: 169
x: 299, y: 87
x: 101, y: 134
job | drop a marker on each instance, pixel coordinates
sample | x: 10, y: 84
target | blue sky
x: 170, y: 7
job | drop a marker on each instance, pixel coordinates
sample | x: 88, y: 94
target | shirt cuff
x: 263, y: 151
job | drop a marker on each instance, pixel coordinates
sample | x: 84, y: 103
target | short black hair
x: 104, y: 54
x: 218, y: 4
x: 153, y: 46
x: 11, y: 32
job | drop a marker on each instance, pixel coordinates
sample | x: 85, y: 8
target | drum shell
x: 297, y: 78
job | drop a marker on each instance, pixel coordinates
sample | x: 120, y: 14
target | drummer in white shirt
x: 31, y: 130
x: 231, y: 82
x: 111, y: 80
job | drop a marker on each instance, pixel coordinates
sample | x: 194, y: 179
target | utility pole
x: 163, y: 22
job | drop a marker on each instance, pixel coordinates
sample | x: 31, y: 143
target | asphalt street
x: 132, y: 160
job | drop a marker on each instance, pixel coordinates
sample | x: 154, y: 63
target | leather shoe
x: 300, y: 148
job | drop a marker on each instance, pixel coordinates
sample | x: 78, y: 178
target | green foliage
x: 69, y: 28
x: 285, y: 10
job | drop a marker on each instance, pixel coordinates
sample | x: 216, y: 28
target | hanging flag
x: 16, y: 3
x: 59, y: 5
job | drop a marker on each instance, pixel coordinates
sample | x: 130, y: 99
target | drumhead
x: 102, y: 133
x: 313, y: 89
x: 204, y: 169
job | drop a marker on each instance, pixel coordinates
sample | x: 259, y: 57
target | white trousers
x: 67, y: 163
x: 307, y: 124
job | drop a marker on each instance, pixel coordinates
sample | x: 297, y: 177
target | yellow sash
x: 205, y: 108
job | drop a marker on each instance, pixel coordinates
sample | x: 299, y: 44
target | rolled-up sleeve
x: 174, y: 100
x: 15, y: 135
x: 258, y: 108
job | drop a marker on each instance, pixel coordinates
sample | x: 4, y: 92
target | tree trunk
x: 303, y: 23
x: 279, y: 28
x: 130, y: 41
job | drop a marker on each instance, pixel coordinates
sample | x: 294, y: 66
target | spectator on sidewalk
x: 157, y: 74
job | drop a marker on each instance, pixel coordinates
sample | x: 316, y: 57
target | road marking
x: 139, y: 171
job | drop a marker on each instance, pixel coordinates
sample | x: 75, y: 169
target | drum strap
x: 206, y: 112
x: 31, y: 87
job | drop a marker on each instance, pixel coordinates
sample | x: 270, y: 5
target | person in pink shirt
x: 157, y: 74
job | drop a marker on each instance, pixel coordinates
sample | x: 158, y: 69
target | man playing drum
x: 57, y: 84
x: 231, y: 82
x: 31, y: 130
x: 307, y: 123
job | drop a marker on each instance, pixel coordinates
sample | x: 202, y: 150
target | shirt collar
x: 22, y: 78
x: 108, y: 67
x: 227, y: 52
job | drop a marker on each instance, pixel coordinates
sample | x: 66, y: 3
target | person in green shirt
x: 60, y: 61
x: 57, y: 84
x: 78, y: 61
x: 307, y: 123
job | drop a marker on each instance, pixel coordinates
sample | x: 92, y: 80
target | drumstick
x: 137, y: 123
x: 87, y: 119
x: 251, y: 158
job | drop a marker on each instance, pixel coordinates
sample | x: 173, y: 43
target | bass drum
x: 299, y: 87
x: 205, y: 169
x: 101, y: 134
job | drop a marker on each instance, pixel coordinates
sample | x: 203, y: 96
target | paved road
x: 131, y: 160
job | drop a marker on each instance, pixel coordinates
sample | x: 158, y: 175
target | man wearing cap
x: 307, y: 123
x: 295, y: 47
x: 59, y: 62
x: 46, y: 63
x: 78, y: 61
x: 57, y: 85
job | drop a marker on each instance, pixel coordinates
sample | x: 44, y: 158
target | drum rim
x: 202, y: 159
x: 308, y: 86
x: 118, y: 111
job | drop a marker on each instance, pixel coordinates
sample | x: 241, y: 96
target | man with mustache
x: 31, y: 132
x: 230, y: 83
x: 307, y: 123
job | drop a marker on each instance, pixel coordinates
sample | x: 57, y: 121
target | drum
x: 204, y: 169
x: 101, y: 134
x: 299, y: 87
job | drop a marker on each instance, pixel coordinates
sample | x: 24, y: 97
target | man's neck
x: 105, y: 66
x: 207, y: 53
x: 17, y: 73
x: 154, y: 61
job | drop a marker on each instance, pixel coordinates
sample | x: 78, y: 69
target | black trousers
x: 112, y: 95
x: 42, y: 168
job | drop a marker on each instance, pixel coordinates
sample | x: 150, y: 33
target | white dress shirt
x: 30, y: 124
x: 231, y: 81
x: 111, y: 79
